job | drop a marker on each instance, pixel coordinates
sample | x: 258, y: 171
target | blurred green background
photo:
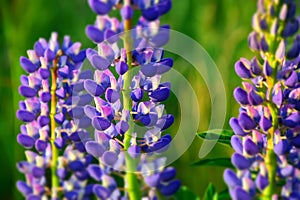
x: 220, y: 26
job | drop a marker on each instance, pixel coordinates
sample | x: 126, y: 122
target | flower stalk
x: 131, y: 177
x: 54, y: 178
x: 127, y: 102
x: 270, y: 160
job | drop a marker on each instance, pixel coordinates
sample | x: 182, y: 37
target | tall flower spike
x: 49, y: 116
x: 267, y: 129
x: 123, y: 99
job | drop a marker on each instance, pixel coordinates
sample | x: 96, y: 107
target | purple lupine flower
x: 110, y: 119
x: 152, y: 10
x: 40, y: 88
x: 105, y: 28
x: 34, y: 170
x: 160, y: 178
x: 267, y: 129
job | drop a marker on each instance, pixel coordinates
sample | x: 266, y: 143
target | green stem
x: 271, y: 158
x: 132, y: 184
x: 127, y: 103
x: 54, y: 178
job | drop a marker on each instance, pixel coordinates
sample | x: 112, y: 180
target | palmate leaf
x: 221, y: 135
x: 185, y: 193
x: 220, y: 162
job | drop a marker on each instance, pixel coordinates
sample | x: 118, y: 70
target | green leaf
x: 223, y: 136
x: 224, y: 195
x: 220, y: 162
x: 185, y: 193
x: 210, y: 193
x: 216, y: 196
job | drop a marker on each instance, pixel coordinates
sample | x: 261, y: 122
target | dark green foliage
x: 223, y: 136
x: 185, y: 193
x: 210, y: 193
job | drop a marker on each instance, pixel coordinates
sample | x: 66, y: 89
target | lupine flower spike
x: 123, y: 99
x: 266, y: 140
x: 47, y: 111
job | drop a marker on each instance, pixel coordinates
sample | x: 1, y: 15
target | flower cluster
x: 266, y: 140
x: 64, y: 104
